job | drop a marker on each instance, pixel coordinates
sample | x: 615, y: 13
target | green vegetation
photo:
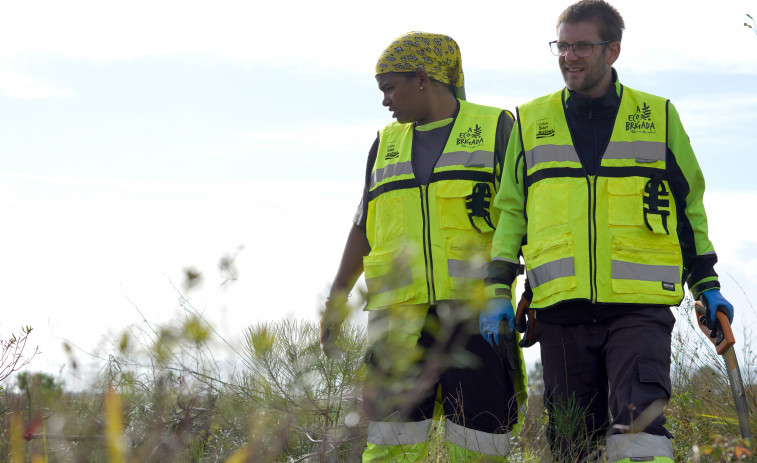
x: 12, y: 355
x: 168, y: 395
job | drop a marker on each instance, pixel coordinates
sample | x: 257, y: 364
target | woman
x: 422, y: 234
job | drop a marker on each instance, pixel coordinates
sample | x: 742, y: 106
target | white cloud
x: 19, y: 85
x: 718, y: 109
x: 347, y: 35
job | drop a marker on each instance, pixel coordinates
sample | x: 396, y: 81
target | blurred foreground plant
x: 312, y: 402
x: 12, y: 353
x: 724, y: 449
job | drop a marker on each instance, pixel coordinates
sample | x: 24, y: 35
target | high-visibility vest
x: 610, y: 237
x: 431, y: 243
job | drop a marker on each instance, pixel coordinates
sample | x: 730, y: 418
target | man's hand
x: 333, y: 315
x: 714, y: 302
x: 497, y: 325
x: 525, y: 322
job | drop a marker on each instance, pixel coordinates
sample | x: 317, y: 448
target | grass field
x: 163, y: 397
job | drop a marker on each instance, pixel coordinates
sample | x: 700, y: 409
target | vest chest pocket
x: 385, y: 220
x: 548, y: 205
x: 625, y: 201
x: 464, y: 205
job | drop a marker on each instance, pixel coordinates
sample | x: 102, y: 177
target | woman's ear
x: 423, y: 79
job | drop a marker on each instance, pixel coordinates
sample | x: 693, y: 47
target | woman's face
x: 403, y: 96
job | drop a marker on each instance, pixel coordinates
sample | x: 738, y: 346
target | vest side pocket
x: 646, y: 267
x: 389, y: 277
x: 466, y: 267
x: 550, y: 266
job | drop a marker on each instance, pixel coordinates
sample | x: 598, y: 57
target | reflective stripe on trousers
x: 393, y: 433
x: 480, y: 442
x: 412, y: 433
x: 623, y: 447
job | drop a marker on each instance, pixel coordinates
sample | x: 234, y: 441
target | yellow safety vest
x: 607, y: 238
x: 431, y: 243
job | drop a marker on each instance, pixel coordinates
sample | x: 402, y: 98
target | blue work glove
x: 715, y: 302
x: 498, y: 319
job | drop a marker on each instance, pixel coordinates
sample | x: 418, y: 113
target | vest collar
x: 609, y: 102
x: 454, y: 116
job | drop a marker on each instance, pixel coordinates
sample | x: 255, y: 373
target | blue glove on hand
x: 498, y: 310
x: 715, y: 302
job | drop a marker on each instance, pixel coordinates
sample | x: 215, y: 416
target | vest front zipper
x: 427, y: 255
x: 592, y: 219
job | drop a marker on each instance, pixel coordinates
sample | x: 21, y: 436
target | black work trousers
x: 404, y: 375
x: 600, y: 377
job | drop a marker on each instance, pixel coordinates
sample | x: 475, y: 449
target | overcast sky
x: 140, y: 138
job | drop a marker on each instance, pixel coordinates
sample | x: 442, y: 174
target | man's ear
x: 613, y: 52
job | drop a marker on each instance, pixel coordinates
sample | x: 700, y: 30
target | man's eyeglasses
x: 581, y: 49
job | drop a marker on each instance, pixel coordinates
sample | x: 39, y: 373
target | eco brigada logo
x: 391, y: 152
x: 641, y: 120
x: 471, y: 137
x: 545, y: 128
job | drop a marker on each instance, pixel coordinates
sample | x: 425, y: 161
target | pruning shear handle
x: 723, y: 339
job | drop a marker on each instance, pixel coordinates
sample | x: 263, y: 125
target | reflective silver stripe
x: 392, y: 433
x: 392, y: 170
x: 639, y: 445
x: 477, y: 441
x: 547, y: 272
x: 550, y: 153
x: 466, y: 269
x: 393, y: 280
x: 642, y: 151
x: 642, y: 272
x: 463, y: 158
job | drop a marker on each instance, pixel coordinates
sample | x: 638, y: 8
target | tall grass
x: 166, y: 394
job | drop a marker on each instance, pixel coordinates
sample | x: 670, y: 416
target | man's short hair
x: 600, y: 12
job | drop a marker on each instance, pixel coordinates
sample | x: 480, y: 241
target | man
x: 423, y: 236
x: 602, y: 195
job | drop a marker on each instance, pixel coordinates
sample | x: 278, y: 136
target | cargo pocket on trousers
x: 651, y: 383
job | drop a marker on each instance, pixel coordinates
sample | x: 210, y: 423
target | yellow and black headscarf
x: 437, y: 54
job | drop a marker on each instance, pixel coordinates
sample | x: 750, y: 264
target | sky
x: 142, y: 138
